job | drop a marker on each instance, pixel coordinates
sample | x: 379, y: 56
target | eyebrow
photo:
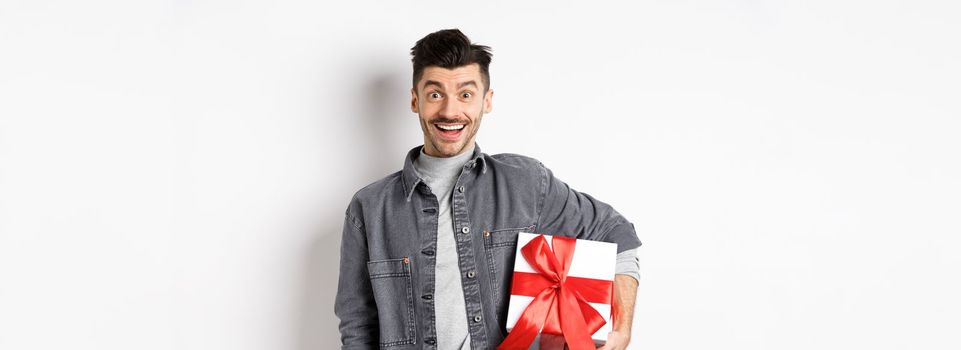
x: 441, y: 86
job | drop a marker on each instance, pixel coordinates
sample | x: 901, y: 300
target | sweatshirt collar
x: 410, y: 177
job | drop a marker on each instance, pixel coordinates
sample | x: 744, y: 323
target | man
x: 427, y: 252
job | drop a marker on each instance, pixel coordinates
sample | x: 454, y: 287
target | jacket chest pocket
x: 391, y: 283
x: 500, y: 245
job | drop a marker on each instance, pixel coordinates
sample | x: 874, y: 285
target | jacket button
x: 465, y: 229
x: 427, y: 251
x: 460, y: 189
x: 470, y: 274
x: 477, y: 318
x: 427, y: 297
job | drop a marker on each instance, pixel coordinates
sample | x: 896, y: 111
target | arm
x: 625, y: 292
x: 354, y: 305
x: 566, y: 212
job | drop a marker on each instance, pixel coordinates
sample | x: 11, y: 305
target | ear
x: 489, y: 100
x: 413, y: 100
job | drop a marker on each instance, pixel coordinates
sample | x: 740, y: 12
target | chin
x: 450, y: 149
x: 450, y: 152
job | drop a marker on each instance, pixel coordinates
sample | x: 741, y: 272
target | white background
x: 173, y: 174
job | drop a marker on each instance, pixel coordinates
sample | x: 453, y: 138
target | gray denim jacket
x: 385, y: 291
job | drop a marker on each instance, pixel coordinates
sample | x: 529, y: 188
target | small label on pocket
x: 388, y: 268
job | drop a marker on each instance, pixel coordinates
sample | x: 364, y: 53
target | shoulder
x: 372, y: 195
x: 514, y: 160
x: 513, y: 164
x: 519, y: 170
x: 377, y: 188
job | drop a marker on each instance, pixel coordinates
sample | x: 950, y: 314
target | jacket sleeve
x: 566, y: 212
x: 354, y: 305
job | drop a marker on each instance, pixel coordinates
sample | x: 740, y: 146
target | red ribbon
x: 560, y: 304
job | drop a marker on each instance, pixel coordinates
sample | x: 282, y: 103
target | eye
x: 433, y: 95
x: 466, y: 95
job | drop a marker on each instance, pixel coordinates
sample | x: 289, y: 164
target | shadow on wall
x: 376, y: 143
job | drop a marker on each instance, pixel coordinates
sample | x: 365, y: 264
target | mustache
x: 449, y: 121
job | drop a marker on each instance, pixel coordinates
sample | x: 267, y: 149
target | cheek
x: 428, y: 109
x: 474, y: 109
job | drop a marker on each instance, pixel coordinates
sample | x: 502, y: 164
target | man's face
x: 450, y: 103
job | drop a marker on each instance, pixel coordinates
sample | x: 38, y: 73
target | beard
x: 444, y: 148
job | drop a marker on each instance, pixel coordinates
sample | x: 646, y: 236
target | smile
x: 449, y: 132
x: 450, y: 127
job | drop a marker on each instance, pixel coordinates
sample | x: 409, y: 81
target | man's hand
x: 616, y: 341
x: 625, y: 291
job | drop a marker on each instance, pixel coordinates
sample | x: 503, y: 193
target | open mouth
x: 449, y: 131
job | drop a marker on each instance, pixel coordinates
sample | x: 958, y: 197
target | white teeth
x: 450, y: 127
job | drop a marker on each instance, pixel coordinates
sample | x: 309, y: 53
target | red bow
x: 560, y: 304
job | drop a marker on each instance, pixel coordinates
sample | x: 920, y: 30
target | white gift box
x: 591, y: 259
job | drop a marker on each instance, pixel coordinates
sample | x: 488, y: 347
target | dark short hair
x: 449, y: 48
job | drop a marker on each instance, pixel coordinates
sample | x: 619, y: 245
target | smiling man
x: 427, y: 252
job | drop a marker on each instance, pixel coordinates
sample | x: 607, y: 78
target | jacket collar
x: 410, y: 177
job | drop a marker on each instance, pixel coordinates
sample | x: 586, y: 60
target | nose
x: 450, y: 109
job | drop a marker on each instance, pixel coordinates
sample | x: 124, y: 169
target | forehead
x: 451, y: 78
